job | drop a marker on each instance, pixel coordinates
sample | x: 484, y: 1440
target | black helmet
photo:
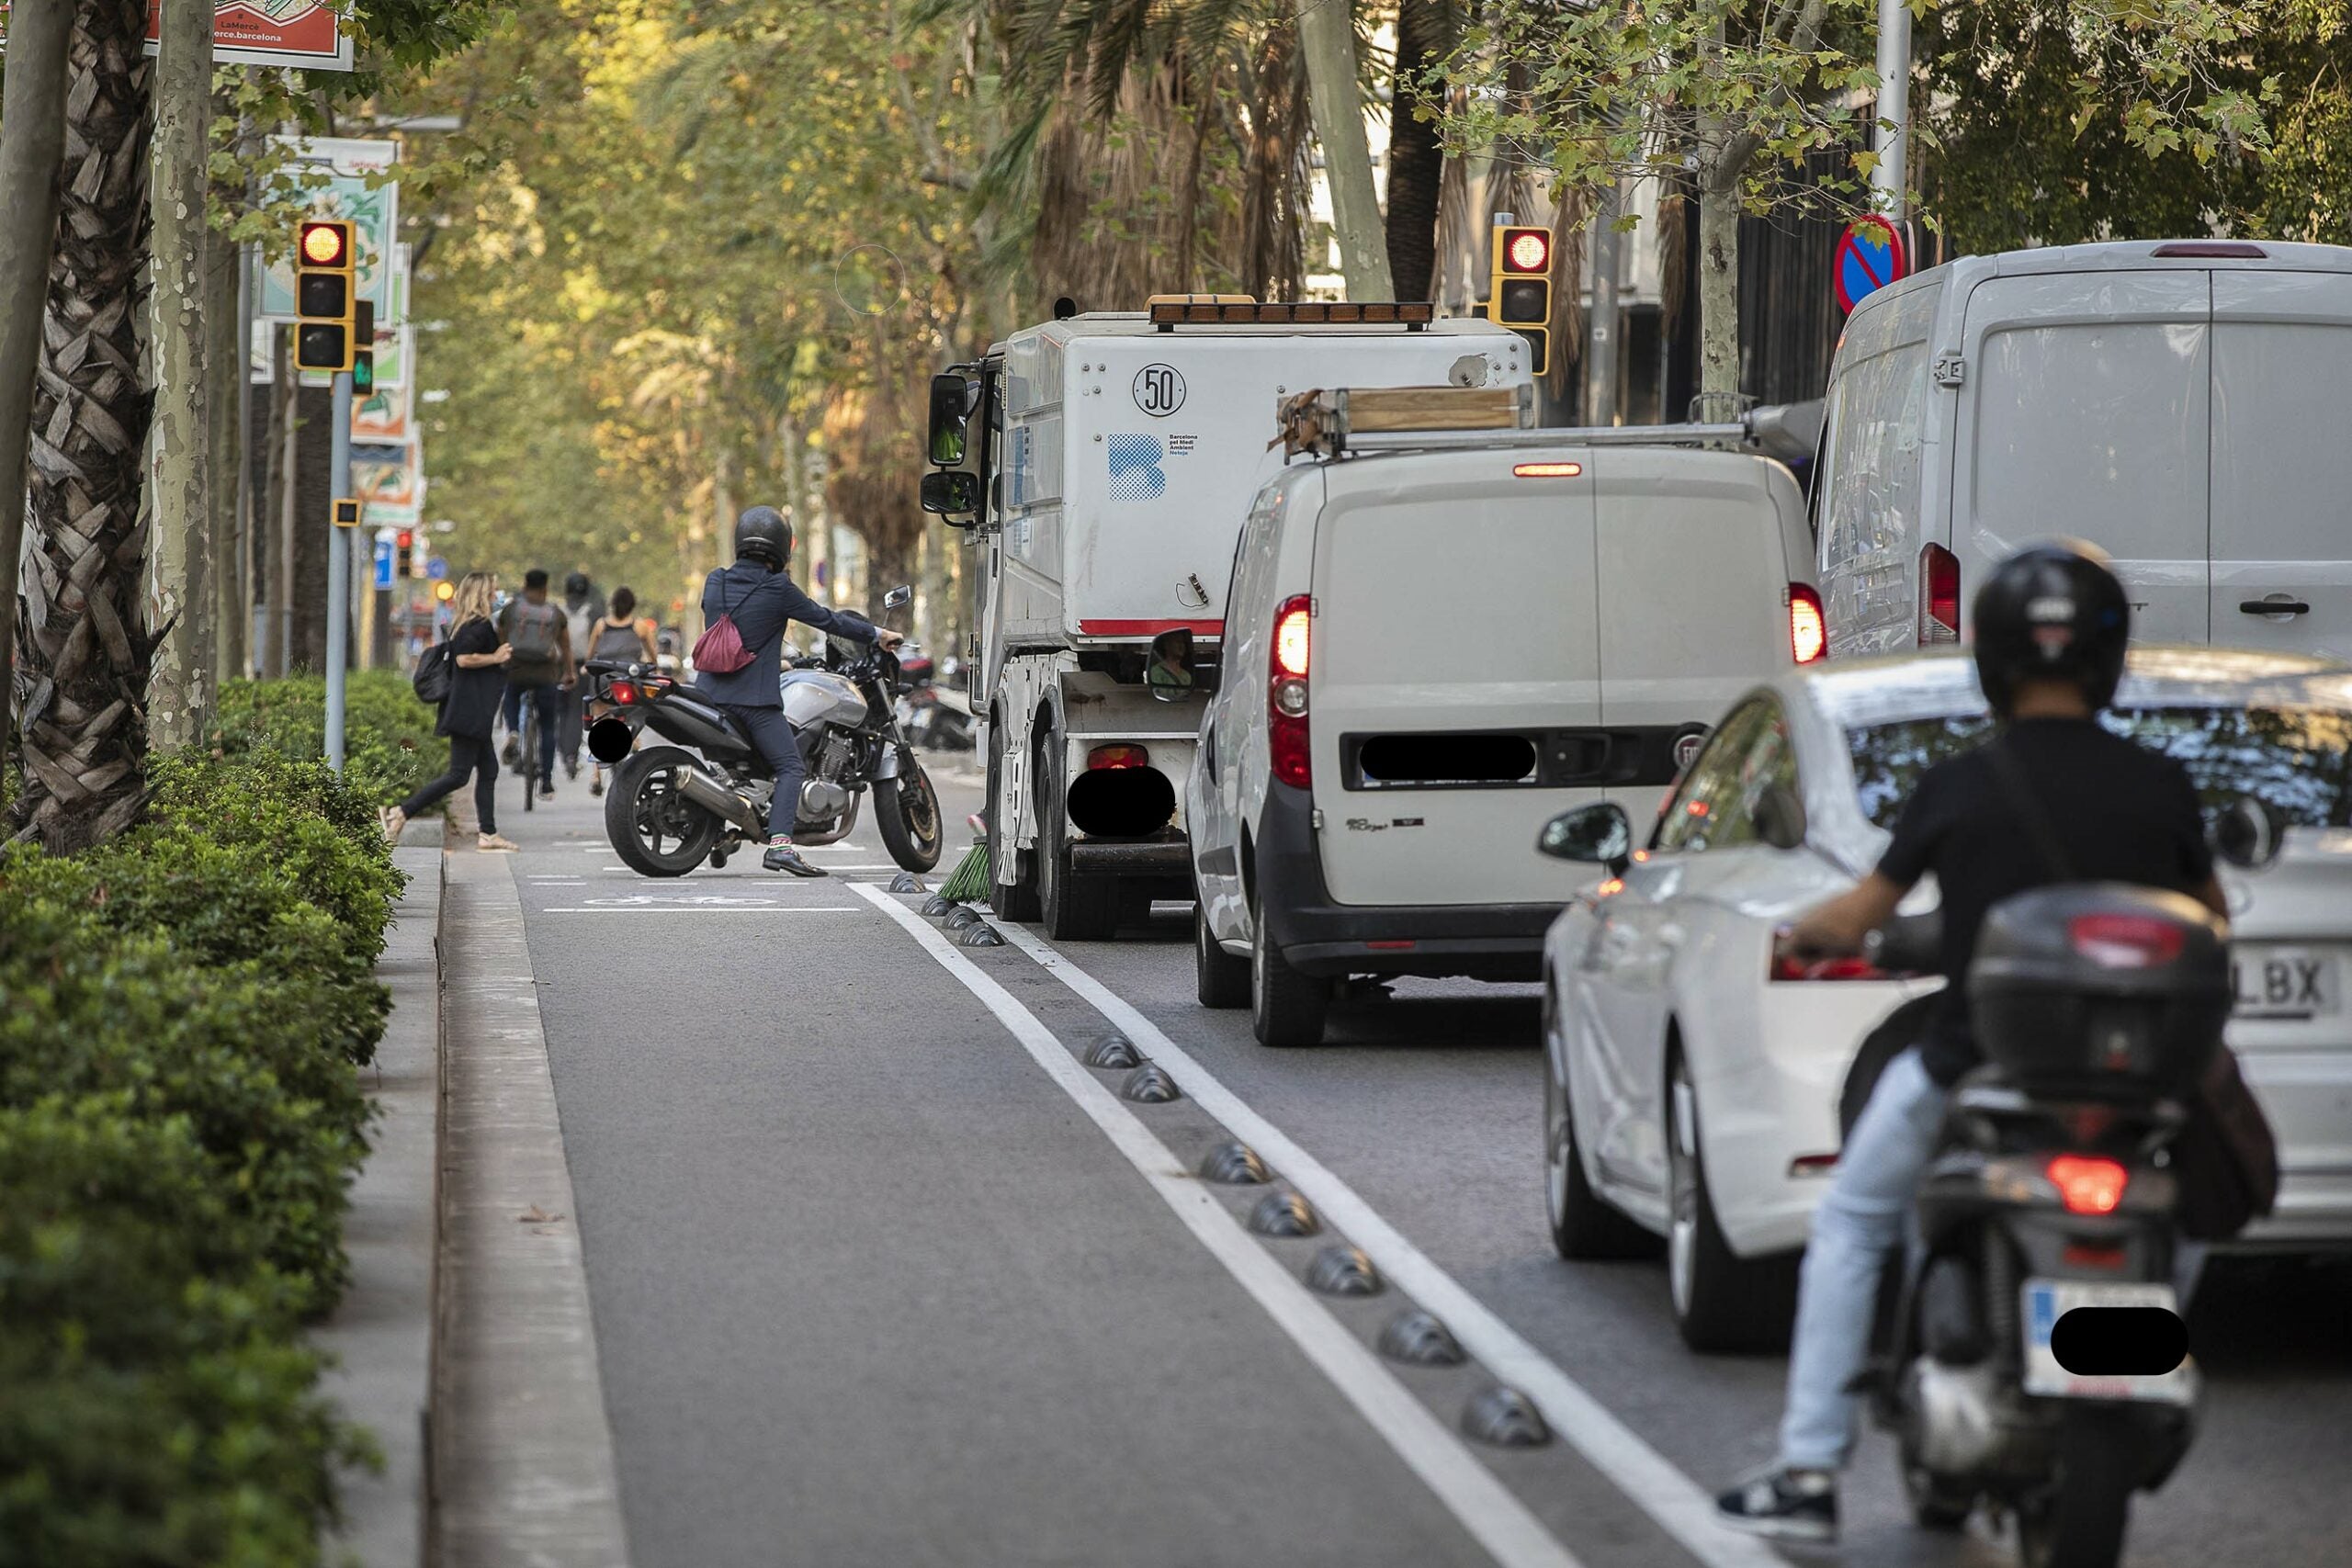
x: 577, y: 584
x: 761, y: 534
x: 2052, y: 612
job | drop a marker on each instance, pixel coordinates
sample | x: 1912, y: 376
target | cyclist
x: 2051, y: 626
x: 541, y: 667
x: 582, y: 608
x: 762, y: 600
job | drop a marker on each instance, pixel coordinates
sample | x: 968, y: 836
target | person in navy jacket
x: 763, y: 600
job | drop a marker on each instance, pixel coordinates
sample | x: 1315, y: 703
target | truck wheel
x: 1219, y: 979
x: 1076, y: 909
x: 1015, y: 900
x: 1286, y: 1008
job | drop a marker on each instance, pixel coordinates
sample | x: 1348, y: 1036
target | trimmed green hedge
x: 388, y: 747
x: 181, y: 1012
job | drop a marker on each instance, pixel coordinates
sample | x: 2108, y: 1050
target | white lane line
x: 1683, y: 1509
x: 1488, y: 1510
x: 706, y: 909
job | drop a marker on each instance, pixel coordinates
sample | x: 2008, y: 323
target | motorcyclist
x: 2051, y: 627
x: 762, y: 600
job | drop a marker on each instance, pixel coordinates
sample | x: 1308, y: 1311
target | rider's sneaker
x: 1784, y: 1504
x: 546, y: 790
x: 513, y: 751
x: 784, y: 857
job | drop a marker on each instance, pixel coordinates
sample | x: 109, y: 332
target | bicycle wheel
x: 530, y: 754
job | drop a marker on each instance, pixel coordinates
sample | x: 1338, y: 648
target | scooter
x: 670, y: 809
x: 2032, y: 1357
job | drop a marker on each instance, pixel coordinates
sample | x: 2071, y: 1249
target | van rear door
x: 1454, y: 674
x: 2084, y: 411
x: 2281, y: 460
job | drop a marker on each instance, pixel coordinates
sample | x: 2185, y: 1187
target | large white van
x: 2180, y: 403
x: 1431, y: 653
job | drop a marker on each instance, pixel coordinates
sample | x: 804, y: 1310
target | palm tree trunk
x: 85, y: 655
x: 179, y: 557
x: 1415, y: 161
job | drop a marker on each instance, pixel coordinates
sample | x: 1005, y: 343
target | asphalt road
x: 882, y: 1275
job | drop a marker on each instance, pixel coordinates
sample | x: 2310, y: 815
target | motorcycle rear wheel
x: 2080, y: 1521
x: 906, y: 813
x: 644, y: 812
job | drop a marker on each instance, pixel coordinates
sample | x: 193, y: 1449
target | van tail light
x: 1808, y: 628
x: 1784, y: 967
x: 1938, y: 596
x: 2087, y: 1184
x: 1118, y: 757
x: 1286, y: 692
x: 2126, y: 941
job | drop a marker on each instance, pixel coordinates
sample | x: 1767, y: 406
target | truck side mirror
x: 951, y: 493
x: 951, y: 400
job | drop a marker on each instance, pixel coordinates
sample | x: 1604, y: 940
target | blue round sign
x: 438, y: 568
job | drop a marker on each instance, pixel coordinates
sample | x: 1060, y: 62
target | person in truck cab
x: 762, y: 600
x: 2051, y: 626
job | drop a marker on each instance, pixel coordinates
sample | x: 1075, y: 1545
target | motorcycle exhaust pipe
x: 716, y: 798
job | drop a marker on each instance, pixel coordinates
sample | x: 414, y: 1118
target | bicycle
x: 527, y: 761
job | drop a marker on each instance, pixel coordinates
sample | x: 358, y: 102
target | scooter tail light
x: 2087, y: 1184
x: 2126, y: 941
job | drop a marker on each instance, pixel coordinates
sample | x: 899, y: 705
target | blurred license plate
x: 2047, y: 1301
x: 2285, y: 983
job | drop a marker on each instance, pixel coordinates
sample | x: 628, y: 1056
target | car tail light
x: 622, y: 691
x: 2087, y: 1184
x: 1118, y: 757
x: 1286, y: 692
x: 2125, y: 942
x: 1786, y: 968
x: 1938, y: 596
x: 1808, y: 628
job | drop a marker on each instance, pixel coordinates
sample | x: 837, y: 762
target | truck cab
x: 1103, y: 465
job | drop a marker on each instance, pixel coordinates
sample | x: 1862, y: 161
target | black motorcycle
x: 669, y: 810
x: 2030, y: 1353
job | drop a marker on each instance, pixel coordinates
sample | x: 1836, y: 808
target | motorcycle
x: 2030, y: 1351
x: 670, y: 809
x: 936, y: 717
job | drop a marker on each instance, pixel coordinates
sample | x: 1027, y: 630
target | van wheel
x: 1219, y: 979
x: 1286, y: 1008
x: 1721, y: 1300
x: 1076, y: 909
x: 1584, y: 1228
x: 1015, y: 900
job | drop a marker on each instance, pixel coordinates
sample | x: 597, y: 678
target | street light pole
x: 339, y: 568
x: 1893, y: 107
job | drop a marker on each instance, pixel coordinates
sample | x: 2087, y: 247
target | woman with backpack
x: 616, y: 636
x: 477, y: 682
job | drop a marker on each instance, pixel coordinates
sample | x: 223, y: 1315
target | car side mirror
x: 952, y: 400
x: 1779, y: 817
x: 1600, y: 834
x: 1168, y: 672
x: 951, y: 493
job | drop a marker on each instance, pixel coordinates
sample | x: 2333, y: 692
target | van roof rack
x: 1335, y: 422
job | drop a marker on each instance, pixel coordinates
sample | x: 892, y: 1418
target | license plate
x: 2047, y: 1301
x: 2285, y: 982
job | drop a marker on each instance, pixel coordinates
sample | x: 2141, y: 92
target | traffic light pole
x: 339, y: 568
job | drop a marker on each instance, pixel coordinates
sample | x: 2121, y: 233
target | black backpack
x: 436, y: 673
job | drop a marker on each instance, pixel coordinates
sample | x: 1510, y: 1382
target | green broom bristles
x: 968, y: 883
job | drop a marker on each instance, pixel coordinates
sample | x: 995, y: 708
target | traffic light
x: 345, y: 512
x: 363, y: 348
x: 1520, y: 292
x: 325, y: 295
x: 444, y: 590
x: 404, y: 547
x: 420, y: 558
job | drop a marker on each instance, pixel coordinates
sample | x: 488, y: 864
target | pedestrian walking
x: 620, y: 636
x: 541, y: 640
x: 468, y: 715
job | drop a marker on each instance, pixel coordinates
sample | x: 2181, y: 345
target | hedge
x: 388, y: 747
x: 181, y: 1012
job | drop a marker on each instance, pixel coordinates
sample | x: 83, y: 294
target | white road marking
x: 1488, y: 1510
x: 707, y: 909
x: 1683, y: 1509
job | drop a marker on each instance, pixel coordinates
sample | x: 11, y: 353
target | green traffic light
x: 362, y: 373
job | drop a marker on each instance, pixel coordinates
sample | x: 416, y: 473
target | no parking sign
x: 1870, y: 256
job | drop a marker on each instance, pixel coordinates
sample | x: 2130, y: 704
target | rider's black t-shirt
x: 2122, y: 812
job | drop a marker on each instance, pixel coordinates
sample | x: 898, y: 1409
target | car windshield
x: 2296, y: 761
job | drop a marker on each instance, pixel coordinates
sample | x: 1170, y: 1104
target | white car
x: 1693, y: 1089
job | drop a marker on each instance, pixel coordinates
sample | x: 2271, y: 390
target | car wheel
x: 1219, y: 979
x: 1585, y: 1228
x: 1721, y: 1300
x: 1286, y: 1008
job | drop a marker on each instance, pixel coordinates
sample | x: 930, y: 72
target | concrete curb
x: 381, y: 1334
x: 522, y: 1461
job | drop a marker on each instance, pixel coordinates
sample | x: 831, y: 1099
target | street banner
x: 374, y: 212
x: 384, y: 415
x: 269, y: 32
x: 389, y: 482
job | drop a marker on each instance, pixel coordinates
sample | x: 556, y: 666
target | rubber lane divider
x: 1485, y: 1508
x: 1680, y: 1507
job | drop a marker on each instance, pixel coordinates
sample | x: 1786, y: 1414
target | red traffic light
x: 1527, y: 250
x: 325, y: 241
x: 406, y: 538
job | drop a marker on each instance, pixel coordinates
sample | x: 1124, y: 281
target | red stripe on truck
x: 1149, y: 628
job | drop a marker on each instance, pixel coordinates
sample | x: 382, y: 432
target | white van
x: 1431, y: 653
x: 2179, y: 403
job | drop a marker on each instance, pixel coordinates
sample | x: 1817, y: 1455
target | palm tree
x: 1425, y: 35
x: 82, y: 653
